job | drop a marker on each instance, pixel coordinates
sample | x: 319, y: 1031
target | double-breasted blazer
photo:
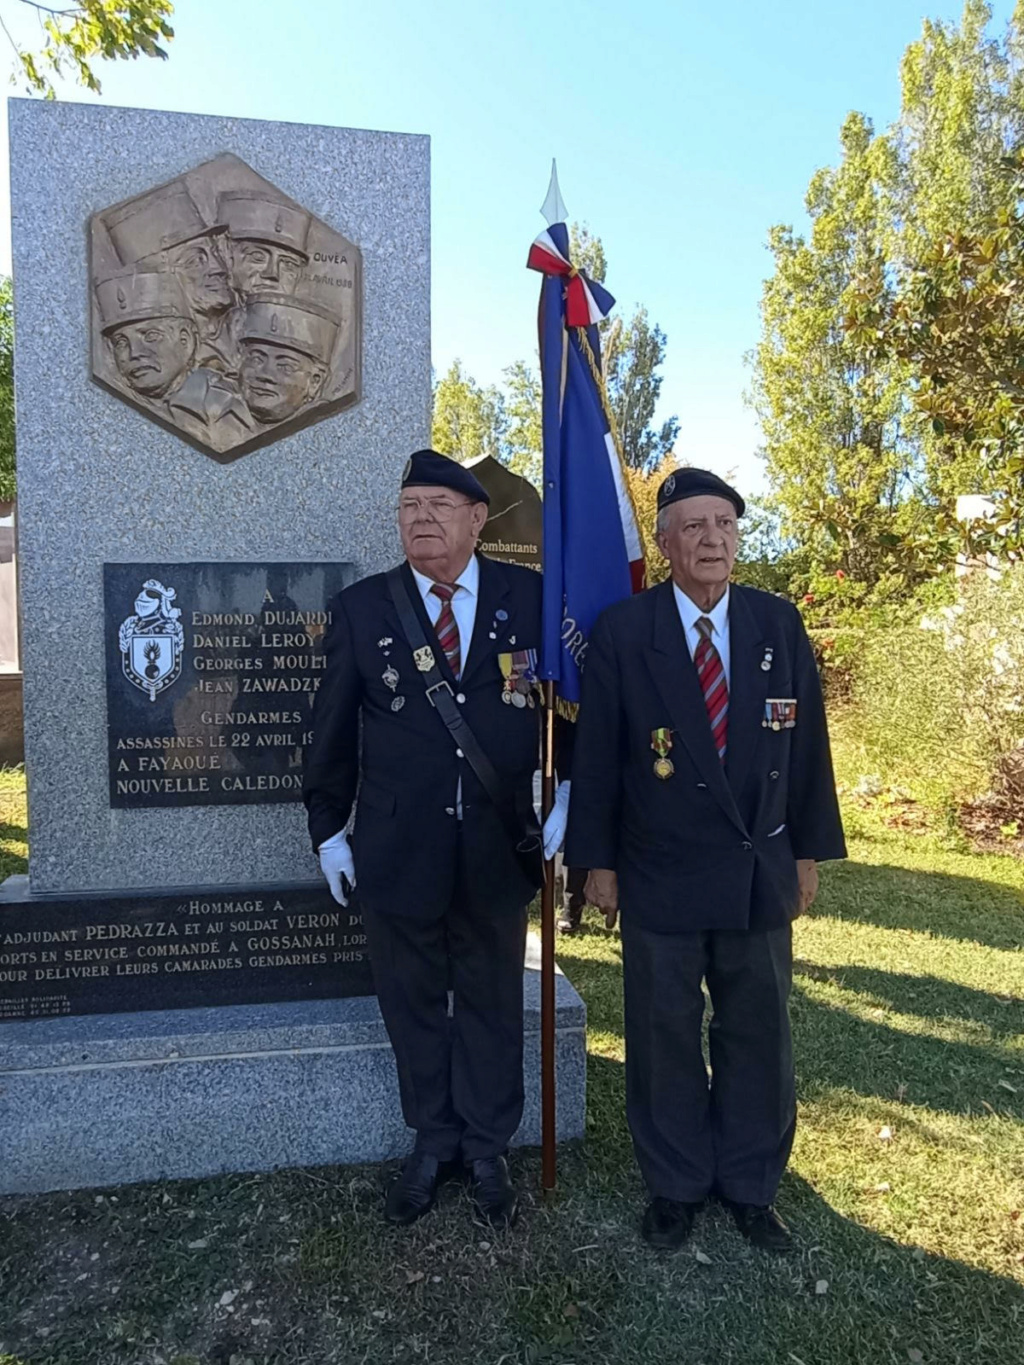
x: 712, y: 845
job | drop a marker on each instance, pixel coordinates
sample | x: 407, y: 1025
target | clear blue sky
x: 682, y: 131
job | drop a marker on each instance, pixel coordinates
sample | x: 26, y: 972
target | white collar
x: 469, y: 579
x: 690, y: 613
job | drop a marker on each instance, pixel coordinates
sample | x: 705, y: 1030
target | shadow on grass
x: 836, y: 1049
x: 12, y: 863
x: 572, y: 1282
x: 936, y: 903
x: 929, y: 997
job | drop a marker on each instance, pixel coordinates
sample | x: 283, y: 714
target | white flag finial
x: 553, y: 210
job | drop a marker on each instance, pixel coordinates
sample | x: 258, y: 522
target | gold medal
x: 661, y: 743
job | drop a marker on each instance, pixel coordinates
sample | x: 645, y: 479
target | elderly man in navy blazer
x: 703, y: 800
x: 442, y: 890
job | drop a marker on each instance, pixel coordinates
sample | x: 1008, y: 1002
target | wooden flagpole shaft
x: 547, y: 959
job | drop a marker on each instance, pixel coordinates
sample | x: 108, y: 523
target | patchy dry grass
x: 906, y: 1189
x: 13, y: 845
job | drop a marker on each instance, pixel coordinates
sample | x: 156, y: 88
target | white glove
x: 336, y: 861
x: 554, y: 825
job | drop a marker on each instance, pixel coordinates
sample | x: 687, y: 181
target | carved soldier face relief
x: 224, y: 310
x: 203, y: 274
x: 257, y: 266
x: 276, y: 381
x: 153, y: 354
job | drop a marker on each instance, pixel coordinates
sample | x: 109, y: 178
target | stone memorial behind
x: 222, y: 362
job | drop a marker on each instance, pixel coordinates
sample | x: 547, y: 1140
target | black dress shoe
x: 667, y: 1223
x: 413, y: 1193
x: 494, y: 1196
x: 761, y: 1226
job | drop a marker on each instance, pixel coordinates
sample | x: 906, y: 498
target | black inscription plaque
x: 105, y: 954
x: 211, y: 674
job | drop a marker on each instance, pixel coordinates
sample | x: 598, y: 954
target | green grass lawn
x: 906, y: 1189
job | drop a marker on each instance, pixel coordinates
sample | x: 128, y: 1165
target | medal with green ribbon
x: 661, y: 743
x: 519, y: 669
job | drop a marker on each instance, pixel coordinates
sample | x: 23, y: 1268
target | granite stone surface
x: 99, y: 482
x: 113, y: 1099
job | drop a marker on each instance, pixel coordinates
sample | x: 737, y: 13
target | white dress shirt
x: 464, y: 600
x: 690, y: 614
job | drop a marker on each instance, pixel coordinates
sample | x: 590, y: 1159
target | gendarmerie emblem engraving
x: 224, y: 310
x: 152, y: 639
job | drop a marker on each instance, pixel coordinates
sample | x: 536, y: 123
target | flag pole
x: 547, y: 957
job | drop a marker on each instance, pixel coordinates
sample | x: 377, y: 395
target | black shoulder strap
x: 439, y: 694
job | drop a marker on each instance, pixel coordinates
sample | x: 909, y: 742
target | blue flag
x: 593, y: 553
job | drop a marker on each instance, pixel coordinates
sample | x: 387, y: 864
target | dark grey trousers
x: 460, y: 1077
x: 733, y: 1135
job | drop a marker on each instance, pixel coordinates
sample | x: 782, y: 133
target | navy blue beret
x: 426, y: 468
x: 694, y: 483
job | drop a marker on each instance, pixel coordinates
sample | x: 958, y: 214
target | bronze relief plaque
x: 224, y: 310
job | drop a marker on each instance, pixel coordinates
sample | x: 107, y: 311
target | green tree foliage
x: 78, y: 35
x: 939, y: 696
x: 633, y: 356
x: 468, y: 421
x: 765, y: 558
x: 951, y: 305
x: 844, y: 469
x: 7, y: 485
x: 889, y: 378
x: 523, y: 442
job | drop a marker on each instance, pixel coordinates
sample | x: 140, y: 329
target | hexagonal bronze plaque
x: 224, y: 310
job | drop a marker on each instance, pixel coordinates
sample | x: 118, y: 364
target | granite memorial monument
x: 173, y: 963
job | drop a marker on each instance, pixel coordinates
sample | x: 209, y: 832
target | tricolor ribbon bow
x: 586, y: 302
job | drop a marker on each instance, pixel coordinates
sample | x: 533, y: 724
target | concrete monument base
x: 112, y: 1099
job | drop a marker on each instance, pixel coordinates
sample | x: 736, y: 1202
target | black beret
x: 426, y: 468
x: 693, y: 483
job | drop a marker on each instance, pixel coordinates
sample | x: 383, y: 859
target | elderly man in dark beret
x: 703, y: 800
x: 438, y: 658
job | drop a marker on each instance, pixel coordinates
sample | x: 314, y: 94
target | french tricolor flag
x: 593, y: 553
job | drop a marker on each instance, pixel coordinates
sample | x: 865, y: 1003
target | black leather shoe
x: 494, y: 1196
x: 413, y: 1193
x: 761, y: 1226
x: 668, y: 1223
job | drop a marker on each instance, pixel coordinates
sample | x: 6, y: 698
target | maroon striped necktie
x: 447, y: 627
x: 713, y: 684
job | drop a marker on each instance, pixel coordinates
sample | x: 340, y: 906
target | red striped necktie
x: 713, y: 684
x: 447, y: 627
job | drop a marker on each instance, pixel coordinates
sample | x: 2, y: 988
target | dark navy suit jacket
x: 408, y: 844
x: 702, y: 849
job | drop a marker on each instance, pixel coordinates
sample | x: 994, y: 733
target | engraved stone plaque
x: 128, y: 951
x: 224, y: 310
x: 212, y: 670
